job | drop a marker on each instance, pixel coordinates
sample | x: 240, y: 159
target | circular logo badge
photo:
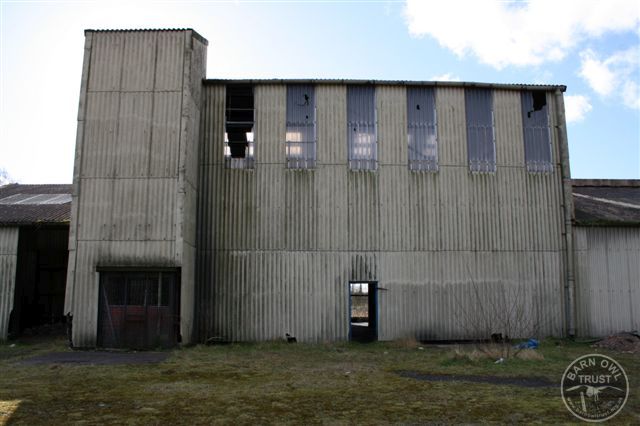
x: 594, y: 388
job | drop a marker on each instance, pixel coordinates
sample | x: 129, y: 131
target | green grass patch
x: 291, y: 383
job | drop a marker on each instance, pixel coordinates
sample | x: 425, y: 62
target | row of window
x: 362, y: 138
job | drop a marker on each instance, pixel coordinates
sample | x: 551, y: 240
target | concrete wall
x: 135, y: 174
x: 277, y: 247
x: 608, y: 280
x: 8, y: 266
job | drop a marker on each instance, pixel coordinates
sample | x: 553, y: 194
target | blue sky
x: 592, y: 46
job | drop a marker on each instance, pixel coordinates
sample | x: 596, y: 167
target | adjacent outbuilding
x: 34, y: 235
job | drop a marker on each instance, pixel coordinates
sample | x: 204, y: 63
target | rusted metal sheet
x: 8, y: 265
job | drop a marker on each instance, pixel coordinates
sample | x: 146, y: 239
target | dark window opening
x: 239, y: 119
x: 539, y: 100
x: 537, y: 132
x: 363, y: 311
x: 139, y: 310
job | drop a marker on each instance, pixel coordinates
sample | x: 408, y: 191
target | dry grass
x: 408, y: 342
x: 493, y: 352
x: 290, y: 383
x: 530, y: 355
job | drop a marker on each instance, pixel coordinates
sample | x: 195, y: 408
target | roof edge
x: 195, y: 34
x: 616, y: 183
x: 504, y: 86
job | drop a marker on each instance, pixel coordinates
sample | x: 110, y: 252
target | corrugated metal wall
x: 608, y: 280
x: 135, y: 175
x: 277, y: 247
x: 8, y: 264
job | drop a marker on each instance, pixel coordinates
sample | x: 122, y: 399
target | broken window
x: 422, y: 129
x: 537, y: 133
x: 301, y: 127
x: 239, y: 148
x: 480, y: 130
x: 361, y: 128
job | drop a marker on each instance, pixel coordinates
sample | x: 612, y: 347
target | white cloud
x: 576, y: 107
x: 503, y: 33
x: 445, y: 77
x: 616, y: 75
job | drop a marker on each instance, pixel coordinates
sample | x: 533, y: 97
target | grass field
x: 291, y: 383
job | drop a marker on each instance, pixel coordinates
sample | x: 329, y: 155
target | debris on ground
x: 529, y: 344
x: 626, y: 342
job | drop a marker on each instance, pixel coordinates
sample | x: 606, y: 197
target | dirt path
x: 97, y: 358
x: 527, y: 382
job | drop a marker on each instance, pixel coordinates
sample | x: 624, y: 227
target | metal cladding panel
x: 333, y: 212
x: 134, y: 134
x: 106, y: 61
x: 332, y: 124
x: 395, y: 220
x: 211, y: 131
x: 270, y: 103
x: 139, y: 61
x: 461, y: 295
x: 8, y: 265
x: 160, y: 220
x: 99, y: 153
x: 263, y: 295
x: 272, y: 239
x: 165, y: 134
x: 508, y: 122
x: 392, y: 125
x: 452, y: 127
x: 94, y: 210
x: 363, y: 212
x: 608, y: 280
x: 169, y: 61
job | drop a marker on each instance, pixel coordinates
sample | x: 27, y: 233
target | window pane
x: 537, y: 138
x: 480, y: 132
x: 361, y: 127
x: 421, y: 129
x: 301, y: 135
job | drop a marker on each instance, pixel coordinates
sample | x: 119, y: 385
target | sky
x: 591, y: 46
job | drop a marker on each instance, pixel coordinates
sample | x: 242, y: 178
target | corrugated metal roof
x: 607, y: 202
x: 144, y: 30
x: 34, y: 204
x: 503, y: 86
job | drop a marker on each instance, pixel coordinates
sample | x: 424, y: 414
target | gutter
x: 567, y: 195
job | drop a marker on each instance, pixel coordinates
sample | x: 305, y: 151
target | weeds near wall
x: 495, y: 314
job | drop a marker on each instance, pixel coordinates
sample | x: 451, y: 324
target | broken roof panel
x: 35, y: 204
x: 606, y: 202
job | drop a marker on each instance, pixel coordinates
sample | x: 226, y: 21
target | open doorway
x: 41, y: 278
x: 363, y: 311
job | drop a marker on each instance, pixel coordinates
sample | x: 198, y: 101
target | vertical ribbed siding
x: 8, y: 265
x: 136, y: 178
x: 278, y: 247
x: 608, y: 280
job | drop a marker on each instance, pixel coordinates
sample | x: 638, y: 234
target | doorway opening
x: 139, y: 309
x: 41, y: 279
x: 363, y: 311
